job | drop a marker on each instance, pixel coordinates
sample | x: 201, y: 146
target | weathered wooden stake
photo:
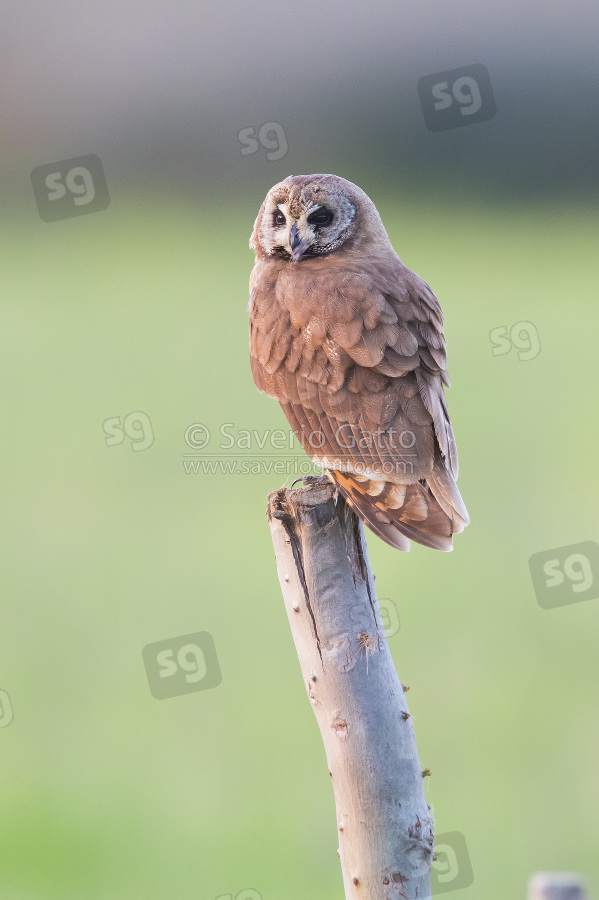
x: 557, y: 886
x: 384, y: 824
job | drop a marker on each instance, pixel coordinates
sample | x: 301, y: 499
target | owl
x: 350, y: 342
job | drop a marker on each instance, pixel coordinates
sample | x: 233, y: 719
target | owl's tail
x: 428, y: 513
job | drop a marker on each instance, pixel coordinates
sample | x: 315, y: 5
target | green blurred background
x: 109, y: 793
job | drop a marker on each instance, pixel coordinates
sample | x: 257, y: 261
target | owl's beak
x: 296, y: 244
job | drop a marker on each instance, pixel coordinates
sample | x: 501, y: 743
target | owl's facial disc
x: 297, y: 235
x: 314, y: 229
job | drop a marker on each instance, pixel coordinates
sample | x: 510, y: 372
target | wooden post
x: 384, y: 824
x: 557, y: 886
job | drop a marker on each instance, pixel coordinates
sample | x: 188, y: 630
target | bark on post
x: 557, y: 886
x: 384, y: 824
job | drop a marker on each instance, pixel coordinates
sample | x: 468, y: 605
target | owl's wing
x: 419, y: 312
x: 358, y: 367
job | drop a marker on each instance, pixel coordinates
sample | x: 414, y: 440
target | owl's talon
x: 308, y: 480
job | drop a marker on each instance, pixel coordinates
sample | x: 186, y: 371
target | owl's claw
x: 307, y: 480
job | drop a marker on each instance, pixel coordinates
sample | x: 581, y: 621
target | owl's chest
x: 309, y: 299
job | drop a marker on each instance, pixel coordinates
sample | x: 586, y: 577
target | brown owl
x: 350, y: 342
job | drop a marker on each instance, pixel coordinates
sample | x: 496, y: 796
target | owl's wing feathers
x: 358, y: 365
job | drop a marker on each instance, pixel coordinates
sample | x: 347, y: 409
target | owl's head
x: 307, y: 216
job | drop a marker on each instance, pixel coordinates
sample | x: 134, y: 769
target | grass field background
x: 109, y: 794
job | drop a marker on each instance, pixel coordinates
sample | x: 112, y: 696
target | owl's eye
x: 279, y: 218
x: 321, y: 217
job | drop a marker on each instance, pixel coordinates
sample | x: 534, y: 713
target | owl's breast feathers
x: 357, y: 361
